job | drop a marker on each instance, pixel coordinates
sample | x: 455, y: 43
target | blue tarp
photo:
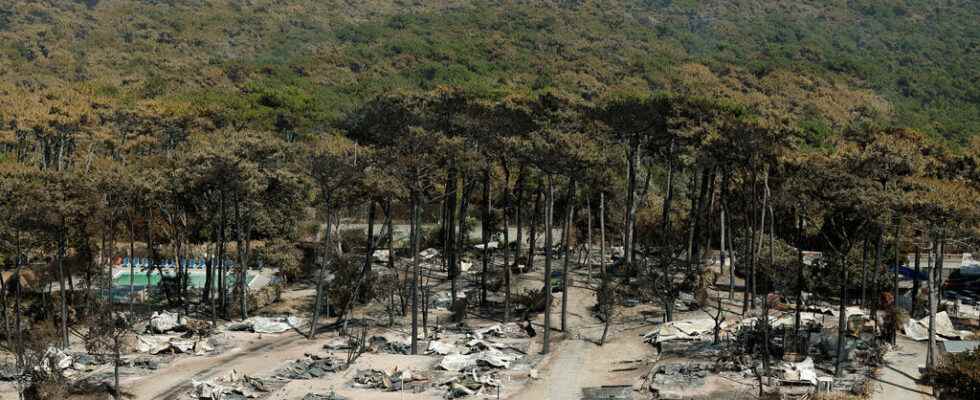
x: 909, y: 273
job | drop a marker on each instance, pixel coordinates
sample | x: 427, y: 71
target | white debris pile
x: 474, y: 358
x: 694, y: 329
x: 489, y: 246
x: 65, y: 362
x: 157, y: 344
x: 441, y: 348
x: 267, y: 324
x: 428, y: 253
x: 803, y: 372
x: 381, y: 255
x: 918, y: 330
x: 508, y: 330
x: 162, y: 322
x: 233, y: 385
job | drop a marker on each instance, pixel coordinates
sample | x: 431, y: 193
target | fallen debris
x: 384, y: 380
x: 696, y: 329
x: 162, y: 322
x: 802, y: 372
x: 312, y: 366
x: 337, y: 343
x: 84, y: 362
x: 469, y: 384
x: 233, y: 385
x: 388, y: 345
x: 466, y: 362
x: 489, y: 246
x: 918, y: 330
x: 428, y: 253
x: 266, y: 324
x: 316, y: 396
x: 155, y: 344
x: 380, y: 255
x: 617, y: 392
x: 508, y: 330
x: 57, y: 359
x: 441, y: 348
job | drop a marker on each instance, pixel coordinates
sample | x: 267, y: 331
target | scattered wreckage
x: 395, y: 380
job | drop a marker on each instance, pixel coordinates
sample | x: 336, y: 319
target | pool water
x: 195, y: 280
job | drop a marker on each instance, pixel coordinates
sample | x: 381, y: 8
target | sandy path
x: 577, y: 361
x: 899, y: 375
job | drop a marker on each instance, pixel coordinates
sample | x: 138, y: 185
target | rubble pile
x: 695, y: 329
x: 65, y: 362
x: 670, y: 376
x: 162, y: 322
x: 312, y: 366
x: 317, y: 396
x: 234, y: 386
x: 469, y: 384
x: 157, y: 344
x: 266, y: 324
x: 475, y: 358
x: 390, y: 345
x: 918, y: 330
x: 388, y: 381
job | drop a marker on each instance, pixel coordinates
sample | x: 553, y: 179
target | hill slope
x: 299, y: 64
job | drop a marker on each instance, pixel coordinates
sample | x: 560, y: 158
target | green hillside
x: 298, y: 65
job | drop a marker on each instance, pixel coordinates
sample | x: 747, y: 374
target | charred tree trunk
x: 450, y: 226
x: 569, y: 205
x: 132, y: 260
x: 915, y: 284
x: 547, y: 263
x: 864, y: 273
x: 242, y: 260
x: 61, y: 283
x: 723, y: 205
x: 506, y: 249
x: 463, y: 234
x: 222, y: 273
x: 322, y: 271
x: 485, y: 236
x: 518, y: 214
x: 588, y: 235
x: 669, y: 196
x: 416, y: 262
x: 536, y: 215
x: 931, y: 351
x: 876, y: 301
x: 799, y: 272
x: 893, y: 334
x: 366, y: 271
x: 633, y: 155
x: 842, y: 317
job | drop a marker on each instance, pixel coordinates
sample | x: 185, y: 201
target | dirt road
x: 899, y: 375
x: 576, y: 360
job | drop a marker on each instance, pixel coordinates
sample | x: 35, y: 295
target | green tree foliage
x: 288, y: 68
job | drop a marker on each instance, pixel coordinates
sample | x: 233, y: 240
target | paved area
x: 898, y: 377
